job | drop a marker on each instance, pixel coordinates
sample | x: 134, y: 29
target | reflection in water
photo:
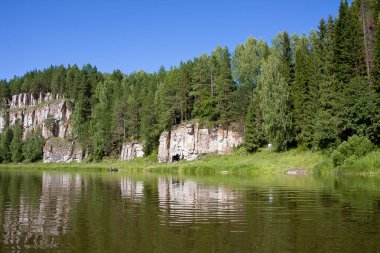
x: 36, y: 225
x: 99, y: 212
x: 131, y: 189
x: 189, y: 201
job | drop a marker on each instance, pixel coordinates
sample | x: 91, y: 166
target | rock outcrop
x: 50, y: 113
x: 58, y: 150
x: 131, y: 150
x: 187, y: 142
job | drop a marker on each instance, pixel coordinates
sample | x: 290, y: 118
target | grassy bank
x: 239, y: 163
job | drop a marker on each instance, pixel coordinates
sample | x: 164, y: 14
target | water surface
x: 47, y: 211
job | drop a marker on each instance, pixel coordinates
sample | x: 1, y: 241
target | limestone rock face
x: 52, y: 114
x: 186, y: 142
x: 2, y: 121
x: 34, y: 109
x: 58, y: 150
x: 131, y: 150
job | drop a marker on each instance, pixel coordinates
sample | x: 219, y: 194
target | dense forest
x: 313, y: 91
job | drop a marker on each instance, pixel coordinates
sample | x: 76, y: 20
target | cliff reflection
x: 131, y: 189
x: 34, y: 220
x: 186, y: 201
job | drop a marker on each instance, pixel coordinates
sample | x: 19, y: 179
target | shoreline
x: 296, y: 162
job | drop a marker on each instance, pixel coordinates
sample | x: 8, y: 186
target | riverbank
x: 239, y: 163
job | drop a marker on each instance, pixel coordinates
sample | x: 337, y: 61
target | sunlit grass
x: 239, y: 164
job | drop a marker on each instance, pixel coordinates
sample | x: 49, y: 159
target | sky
x: 141, y: 34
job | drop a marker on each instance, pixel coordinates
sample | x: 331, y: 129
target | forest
x: 312, y: 90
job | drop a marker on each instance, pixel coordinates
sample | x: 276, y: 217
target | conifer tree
x: 101, y: 119
x: 201, y: 92
x: 223, y: 85
x: 348, y: 45
x: 5, y: 142
x: 253, y: 134
x: 16, y: 144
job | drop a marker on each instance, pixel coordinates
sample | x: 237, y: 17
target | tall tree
x: 223, y: 86
x: 201, y: 91
x: 348, y: 47
x: 283, y: 47
x: 247, y: 61
x: 253, y: 134
x: 274, y: 94
x: 101, y: 118
x: 16, y: 144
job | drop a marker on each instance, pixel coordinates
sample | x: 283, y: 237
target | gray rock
x: 131, y: 150
x: 186, y: 142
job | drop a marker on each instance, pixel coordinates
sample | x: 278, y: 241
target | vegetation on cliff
x: 312, y: 91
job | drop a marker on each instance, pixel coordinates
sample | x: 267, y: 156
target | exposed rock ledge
x: 58, y: 150
x: 34, y: 109
x: 186, y: 142
x: 131, y: 150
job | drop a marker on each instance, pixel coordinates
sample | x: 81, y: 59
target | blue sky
x: 140, y: 35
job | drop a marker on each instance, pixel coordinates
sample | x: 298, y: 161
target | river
x: 92, y: 211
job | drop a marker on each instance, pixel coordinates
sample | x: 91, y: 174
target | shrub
x: 351, y: 150
x: 32, y: 146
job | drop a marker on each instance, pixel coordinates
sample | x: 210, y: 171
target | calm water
x: 105, y: 212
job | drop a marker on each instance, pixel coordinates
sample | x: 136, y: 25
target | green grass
x: 239, y: 164
x: 246, y: 164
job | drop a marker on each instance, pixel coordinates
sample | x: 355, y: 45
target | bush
x: 351, y: 150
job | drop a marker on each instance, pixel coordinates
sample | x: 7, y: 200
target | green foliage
x: 222, y: 89
x: 246, y: 66
x: 201, y: 91
x: 50, y: 123
x: 5, y: 142
x: 32, y: 148
x: 16, y: 143
x: 348, y: 45
x: 101, y: 118
x: 303, y: 93
x: 283, y: 47
x: 358, y: 110
x: 351, y: 150
x: 312, y: 91
x: 253, y: 135
x: 274, y: 96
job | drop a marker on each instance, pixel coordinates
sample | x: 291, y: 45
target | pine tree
x: 5, y: 142
x: 358, y: 110
x: 283, y: 47
x: 348, y: 45
x: 222, y: 85
x: 16, y: 144
x: 201, y: 92
x: 308, y: 71
x: 101, y: 119
x: 325, y: 127
x: 253, y: 135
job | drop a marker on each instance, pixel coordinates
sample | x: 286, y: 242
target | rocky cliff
x: 131, y: 150
x: 59, y: 150
x: 51, y: 113
x: 187, y: 142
